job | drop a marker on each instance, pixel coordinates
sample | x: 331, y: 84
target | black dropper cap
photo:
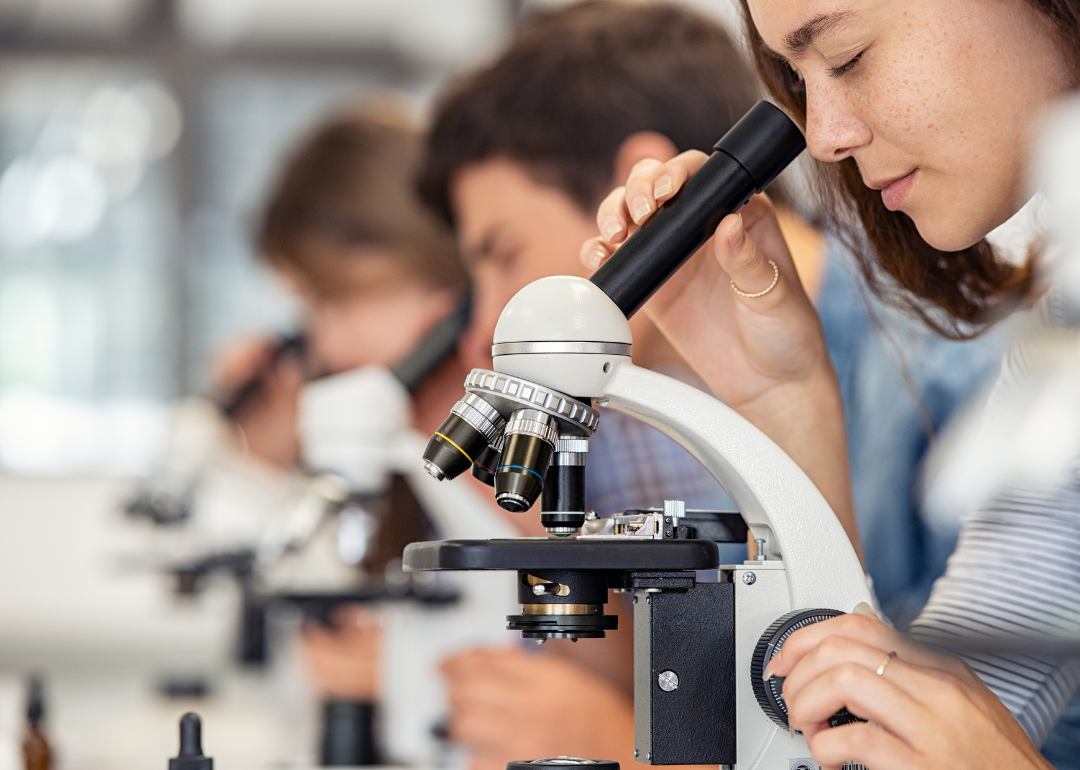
x: 191, y: 756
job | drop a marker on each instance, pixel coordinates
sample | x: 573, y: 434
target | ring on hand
x: 763, y: 292
x: 885, y: 663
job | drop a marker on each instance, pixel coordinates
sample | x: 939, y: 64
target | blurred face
x: 512, y: 231
x: 936, y: 101
x: 377, y: 315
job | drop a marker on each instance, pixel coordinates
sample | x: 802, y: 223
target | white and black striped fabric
x: 1010, y: 602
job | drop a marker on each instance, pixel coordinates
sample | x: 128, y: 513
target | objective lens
x: 473, y: 424
x: 486, y: 464
x: 527, y: 448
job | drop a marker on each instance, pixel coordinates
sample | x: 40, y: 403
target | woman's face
x: 936, y: 100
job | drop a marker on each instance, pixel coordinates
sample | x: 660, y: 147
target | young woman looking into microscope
x: 920, y: 113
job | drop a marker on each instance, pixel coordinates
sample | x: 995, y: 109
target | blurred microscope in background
x: 317, y: 544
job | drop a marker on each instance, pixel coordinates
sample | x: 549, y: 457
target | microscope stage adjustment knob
x: 770, y: 694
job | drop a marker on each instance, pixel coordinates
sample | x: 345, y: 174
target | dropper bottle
x: 190, y: 756
x: 37, y: 754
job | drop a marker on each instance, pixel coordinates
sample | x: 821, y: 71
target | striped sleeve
x: 1009, y: 602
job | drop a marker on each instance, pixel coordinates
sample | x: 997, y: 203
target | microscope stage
x: 557, y: 553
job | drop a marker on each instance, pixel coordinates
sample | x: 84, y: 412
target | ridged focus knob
x: 770, y: 694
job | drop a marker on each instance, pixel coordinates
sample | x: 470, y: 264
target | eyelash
x: 843, y: 69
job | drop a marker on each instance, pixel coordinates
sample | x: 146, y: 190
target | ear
x: 641, y: 146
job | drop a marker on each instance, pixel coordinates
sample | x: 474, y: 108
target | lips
x: 895, y: 191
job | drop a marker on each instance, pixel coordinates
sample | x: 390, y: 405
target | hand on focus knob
x: 928, y: 709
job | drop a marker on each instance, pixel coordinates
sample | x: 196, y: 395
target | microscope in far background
x: 311, y: 542
x: 701, y: 643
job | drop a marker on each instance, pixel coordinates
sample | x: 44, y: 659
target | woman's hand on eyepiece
x: 625, y: 208
x: 765, y: 355
x: 771, y: 339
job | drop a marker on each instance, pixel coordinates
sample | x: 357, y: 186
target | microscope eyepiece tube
x: 745, y: 161
x: 528, y: 444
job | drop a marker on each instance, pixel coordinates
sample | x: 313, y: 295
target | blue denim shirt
x: 901, y: 383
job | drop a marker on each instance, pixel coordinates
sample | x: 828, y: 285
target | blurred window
x: 86, y: 218
x: 125, y: 244
x: 138, y: 139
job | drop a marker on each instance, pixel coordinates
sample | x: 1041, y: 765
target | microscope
x: 561, y: 347
x: 330, y: 535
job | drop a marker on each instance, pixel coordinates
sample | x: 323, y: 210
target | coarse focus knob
x: 770, y: 694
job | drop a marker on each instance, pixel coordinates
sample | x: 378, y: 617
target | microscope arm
x: 775, y: 497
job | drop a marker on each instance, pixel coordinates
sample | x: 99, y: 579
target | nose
x: 833, y: 130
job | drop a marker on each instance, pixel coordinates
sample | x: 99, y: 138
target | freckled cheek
x: 889, y: 113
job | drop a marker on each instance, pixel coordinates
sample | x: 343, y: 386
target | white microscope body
x: 566, y: 334
x: 564, y: 342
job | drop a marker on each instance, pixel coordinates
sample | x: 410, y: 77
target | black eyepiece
x: 745, y: 161
x: 473, y: 424
x: 764, y: 142
x: 527, y: 448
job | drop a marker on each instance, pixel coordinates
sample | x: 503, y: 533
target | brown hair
x: 960, y: 293
x: 350, y: 184
x: 576, y: 82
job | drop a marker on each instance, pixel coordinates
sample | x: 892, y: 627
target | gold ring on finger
x: 763, y: 292
x: 885, y: 663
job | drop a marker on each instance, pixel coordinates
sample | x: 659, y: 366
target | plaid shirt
x: 631, y: 465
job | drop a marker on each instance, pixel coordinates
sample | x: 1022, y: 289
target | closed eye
x: 843, y: 69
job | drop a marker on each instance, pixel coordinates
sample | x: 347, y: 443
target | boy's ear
x: 641, y: 146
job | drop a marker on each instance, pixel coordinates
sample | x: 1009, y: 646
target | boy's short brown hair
x: 575, y: 83
x: 351, y: 185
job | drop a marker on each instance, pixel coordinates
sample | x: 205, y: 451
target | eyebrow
x: 798, y: 41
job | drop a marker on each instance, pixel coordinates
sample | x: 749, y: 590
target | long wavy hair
x: 959, y: 293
